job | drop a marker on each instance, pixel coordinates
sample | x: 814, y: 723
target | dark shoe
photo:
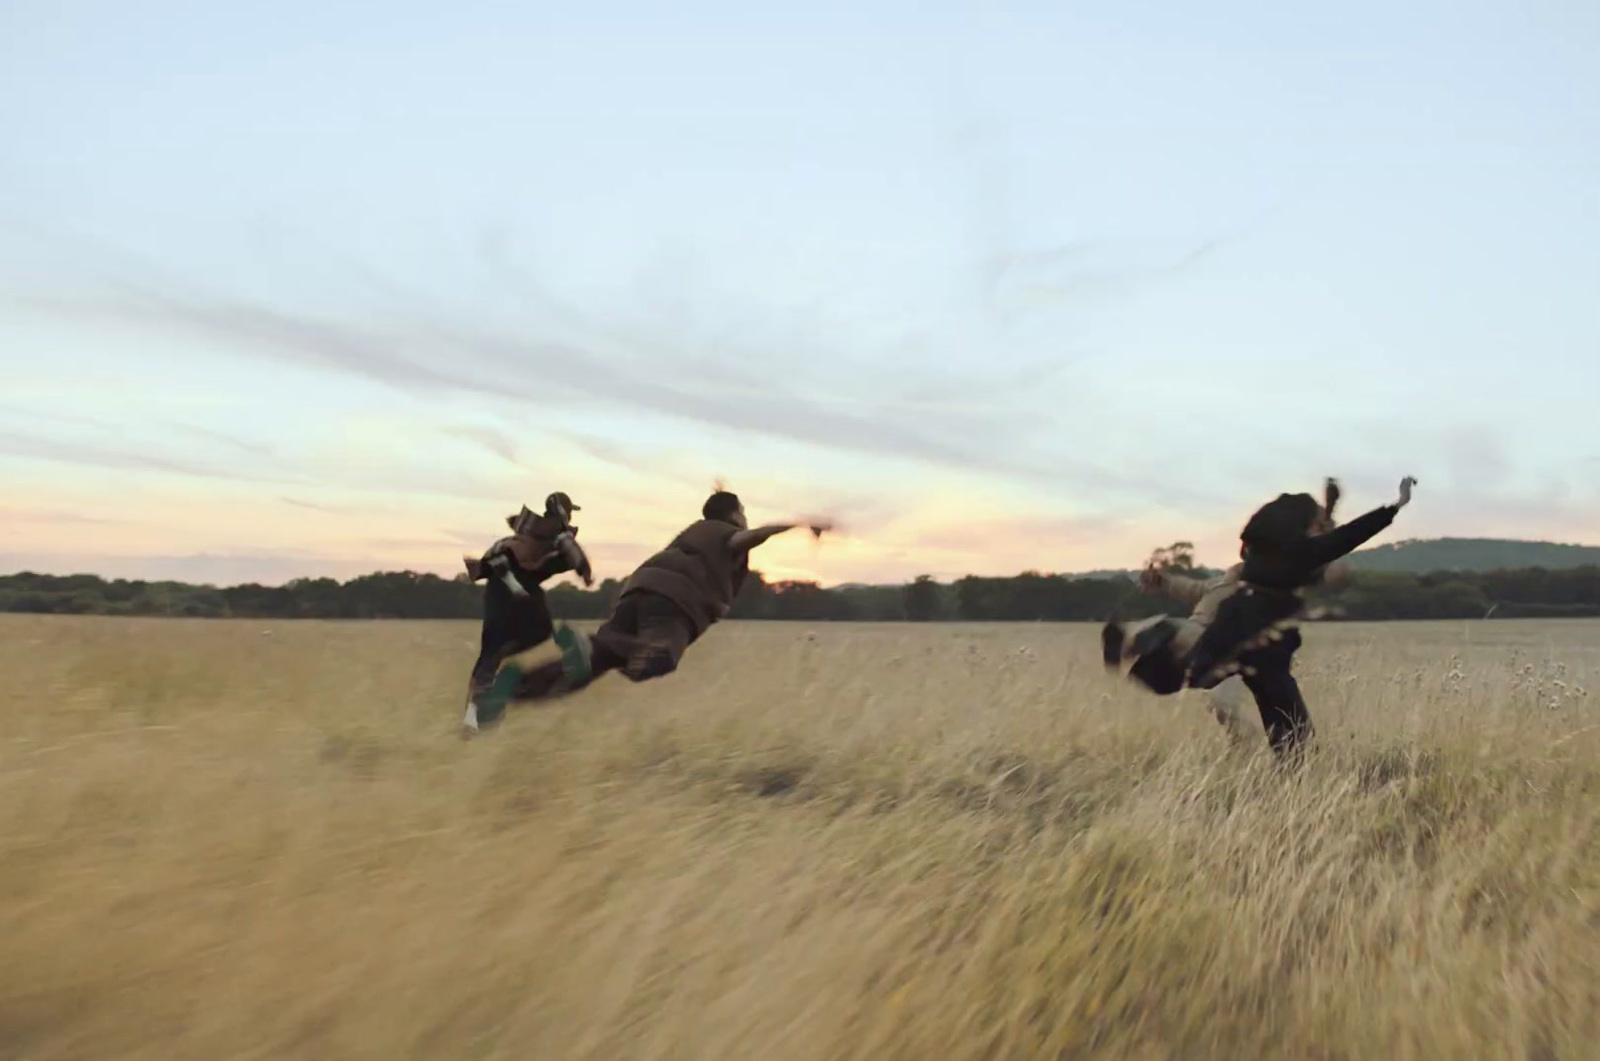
x: 1111, y: 638
x: 489, y: 705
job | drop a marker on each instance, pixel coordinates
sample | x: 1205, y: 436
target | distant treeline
x: 1029, y: 597
x: 1472, y: 554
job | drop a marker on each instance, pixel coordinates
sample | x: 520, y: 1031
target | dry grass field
x: 266, y: 840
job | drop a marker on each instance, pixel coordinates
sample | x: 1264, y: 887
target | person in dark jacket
x: 1158, y: 647
x: 665, y: 606
x: 516, y: 616
x: 1286, y: 547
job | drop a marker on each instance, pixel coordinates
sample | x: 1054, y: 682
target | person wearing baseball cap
x: 559, y: 506
x: 516, y: 616
x: 665, y: 606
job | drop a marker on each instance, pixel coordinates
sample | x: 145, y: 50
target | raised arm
x: 1341, y: 541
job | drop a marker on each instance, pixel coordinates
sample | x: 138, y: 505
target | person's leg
x: 1283, y: 709
x: 644, y: 638
x: 664, y: 633
x: 534, y: 626
x: 1158, y: 647
x: 498, y: 631
x: 526, y: 624
x: 541, y: 683
x: 595, y: 656
x: 1225, y: 701
x: 622, y: 636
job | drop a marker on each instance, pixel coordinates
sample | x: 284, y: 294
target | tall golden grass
x: 265, y: 840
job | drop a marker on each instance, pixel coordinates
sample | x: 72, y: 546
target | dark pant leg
x: 511, y: 624
x: 1283, y: 709
x: 609, y: 645
x: 651, y: 643
x: 543, y: 681
x: 550, y: 679
x: 496, y: 632
x: 534, y: 624
x: 644, y: 638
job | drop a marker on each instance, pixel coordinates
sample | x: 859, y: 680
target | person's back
x: 533, y: 550
x: 698, y: 571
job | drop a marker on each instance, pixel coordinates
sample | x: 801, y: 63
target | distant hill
x: 1472, y: 554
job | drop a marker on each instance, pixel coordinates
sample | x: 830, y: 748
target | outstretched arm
x: 1341, y: 541
x: 745, y: 540
x: 1180, y: 588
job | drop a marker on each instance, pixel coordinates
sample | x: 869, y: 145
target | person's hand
x: 1405, y: 491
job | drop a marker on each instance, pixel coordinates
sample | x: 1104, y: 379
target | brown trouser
x: 645, y: 638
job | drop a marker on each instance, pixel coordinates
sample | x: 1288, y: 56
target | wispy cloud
x: 144, y: 421
x: 384, y: 481
x: 499, y: 443
x: 1080, y: 283
x: 617, y: 455
x: 54, y: 517
x: 121, y: 459
x: 1066, y: 271
x: 433, y: 357
x: 317, y: 506
x: 257, y: 449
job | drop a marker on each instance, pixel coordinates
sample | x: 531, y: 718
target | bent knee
x: 652, y: 663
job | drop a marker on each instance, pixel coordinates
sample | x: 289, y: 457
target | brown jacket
x: 1203, y: 595
x: 534, y: 549
x: 698, y: 571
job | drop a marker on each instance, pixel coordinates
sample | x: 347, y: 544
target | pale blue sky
x: 304, y: 288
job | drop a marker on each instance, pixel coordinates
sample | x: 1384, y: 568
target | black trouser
x: 645, y: 638
x: 511, y: 624
x: 1283, y: 709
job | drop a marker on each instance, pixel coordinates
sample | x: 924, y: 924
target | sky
x: 302, y: 289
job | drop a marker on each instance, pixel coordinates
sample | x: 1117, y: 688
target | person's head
x: 726, y: 507
x: 560, y: 506
x: 1286, y: 518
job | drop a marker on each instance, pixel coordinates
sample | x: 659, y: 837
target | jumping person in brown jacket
x: 672, y: 599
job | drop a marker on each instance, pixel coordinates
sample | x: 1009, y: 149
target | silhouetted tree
x: 924, y: 600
